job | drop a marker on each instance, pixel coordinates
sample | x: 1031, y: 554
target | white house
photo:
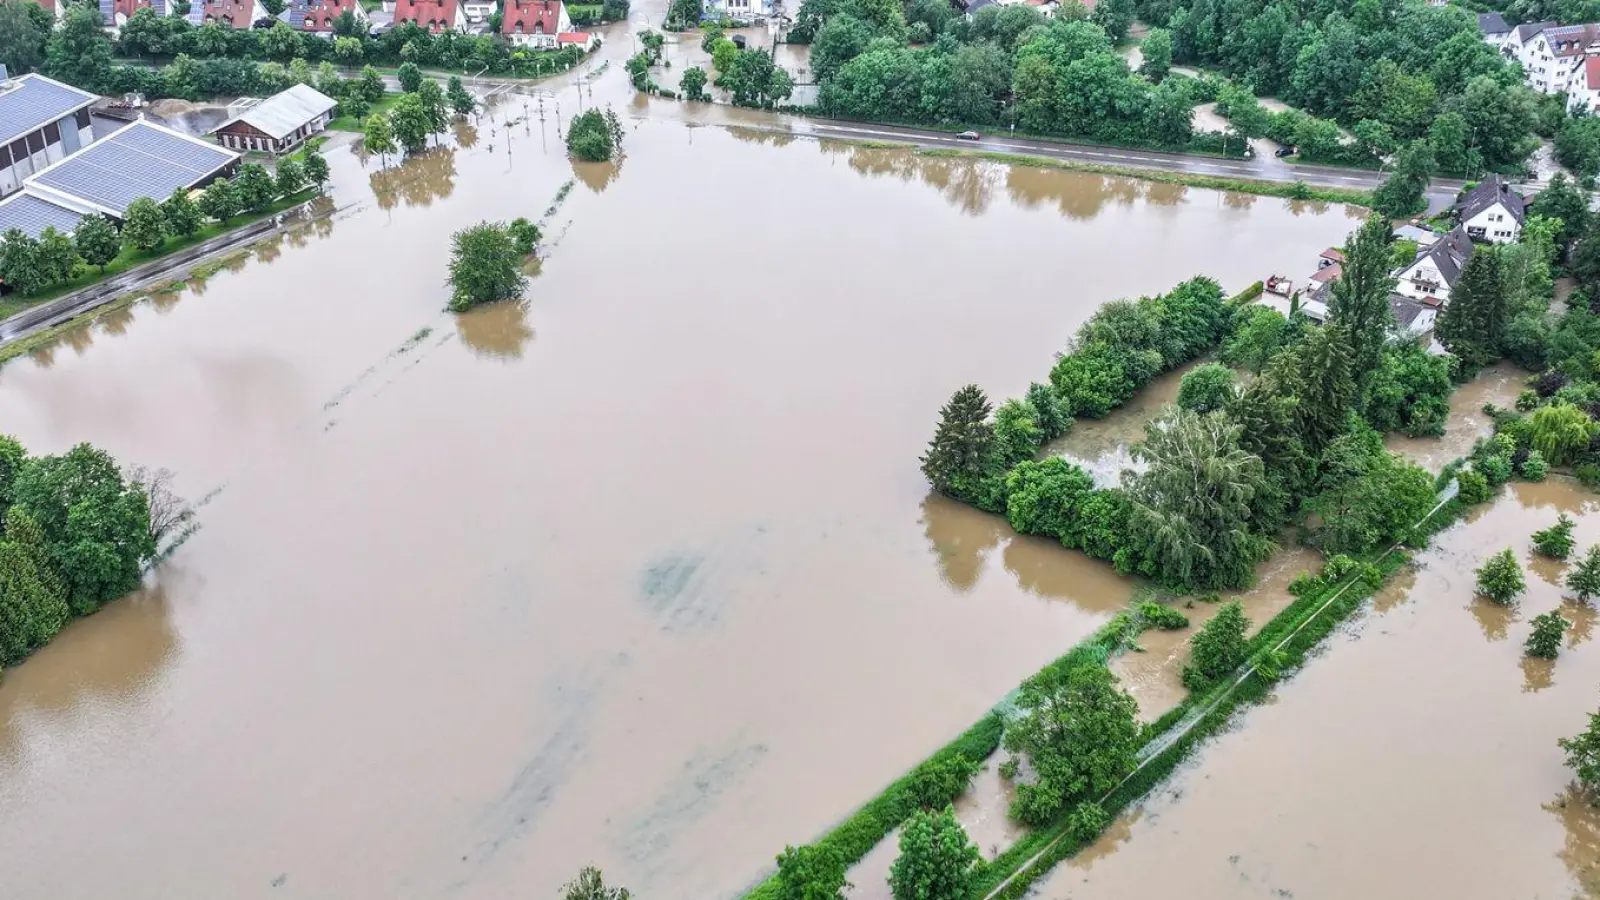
x: 1494, y: 29
x: 1583, y: 90
x: 740, y: 10
x: 1552, y: 55
x: 1492, y: 212
x: 1431, y: 276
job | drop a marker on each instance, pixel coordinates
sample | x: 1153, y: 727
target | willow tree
x: 1190, y: 510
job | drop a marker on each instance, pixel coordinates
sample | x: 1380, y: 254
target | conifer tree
x: 1584, y: 579
x: 1360, y: 303
x: 963, y: 446
x: 1475, y: 318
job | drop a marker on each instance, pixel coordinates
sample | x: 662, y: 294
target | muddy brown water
x: 1498, y: 384
x: 637, y: 572
x: 1417, y: 732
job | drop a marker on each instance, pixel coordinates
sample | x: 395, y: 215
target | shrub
x: 1164, y: 617
x: 1589, y: 474
x: 1584, y: 579
x: 1527, y: 401
x: 1218, y: 648
x: 1500, y: 578
x: 1555, y: 541
x: 1545, y: 641
x: 1337, y: 567
x: 1206, y: 388
x: 1086, y: 822
x: 940, y: 781
x: 1474, y: 487
x: 1305, y: 583
x: 1497, y: 469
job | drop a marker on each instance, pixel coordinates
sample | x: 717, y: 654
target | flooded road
x: 639, y: 572
x: 1414, y: 757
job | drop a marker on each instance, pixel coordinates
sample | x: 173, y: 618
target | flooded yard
x: 1414, y: 757
x: 639, y: 572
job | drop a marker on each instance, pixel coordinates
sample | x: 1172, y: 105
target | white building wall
x: 1494, y: 225
x: 1424, y: 271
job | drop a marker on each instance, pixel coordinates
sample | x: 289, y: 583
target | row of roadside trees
x: 31, y: 266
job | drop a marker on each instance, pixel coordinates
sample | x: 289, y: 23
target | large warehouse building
x: 41, y: 122
x: 141, y: 160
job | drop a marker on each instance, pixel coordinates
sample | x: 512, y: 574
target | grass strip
x: 1289, y: 190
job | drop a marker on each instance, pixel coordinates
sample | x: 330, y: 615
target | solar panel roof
x: 142, y: 160
x: 33, y: 101
x: 32, y: 215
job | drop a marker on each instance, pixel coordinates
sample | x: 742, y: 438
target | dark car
x: 1281, y: 152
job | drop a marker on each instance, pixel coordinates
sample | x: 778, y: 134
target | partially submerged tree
x: 1555, y: 541
x: 1218, y: 647
x: 1583, y: 754
x: 811, y: 872
x: 961, y: 452
x: 485, y: 266
x: 1078, y: 729
x: 1584, y: 578
x: 1500, y: 578
x: 937, y: 860
x: 1206, y: 388
x: 591, y: 885
x: 1548, y: 629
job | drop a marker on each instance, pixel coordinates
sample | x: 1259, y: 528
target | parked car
x: 1281, y: 152
x: 969, y: 136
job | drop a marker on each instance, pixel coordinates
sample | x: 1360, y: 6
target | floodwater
x: 1103, y: 447
x: 1498, y: 384
x: 637, y: 572
x: 1414, y: 757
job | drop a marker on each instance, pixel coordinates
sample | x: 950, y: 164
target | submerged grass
x: 1290, y: 190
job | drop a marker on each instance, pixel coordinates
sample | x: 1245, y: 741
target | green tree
x: 937, y: 860
x: 435, y: 105
x: 97, y: 240
x: 841, y: 39
x: 1555, y: 541
x: 355, y: 106
x: 1157, y: 49
x: 484, y: 266
x: 1016, y: 433
x: 371, y: 84
x: 1584, y: 578
x: 96, y: 524
x: 56, y: 256
x: 1545, y: 641
x: 1500, y: 578
x: 19, y: 265
x: 461, y: 100
x: 182, y: 214
x: 1260, y: 333
x: 1077, y: 727
x: 1562, y: 201
x: 1115, y: 16
x: 962, y: 452
x: 78, y: 51
x: 143, y: 226
x: 1366, y: 496
x: 1405, y: 191
x: 1559, y: 431
x: 1053, y: 418
x: 348, y: 51
x: 315, y: 168
x: 1046, y: 497
x: 1190, y: 509
x: 811, y: 873
x: 1583, y: 754
x: 524, y: 234
x: 1218, y: 647
x: 291, y: 177
x: 220, y: 200
x: 589, y: 137
x: 377, y: 137
x: 410, y: 77
x: 1475, y: 318
x: 1359, y: 306
x: 652, y: 42
x: 1318, y: 373
x: 693, y: 83
x: 22, y: 38
x: 33, y: 605
x: 591, y: 885
x: 684, y: 12
x: 410, y: 122
x: 1499, y: 118
x: 1448, y: 136
x: 938, y: 782
x: 255, y: 188
x: 1206, y: 388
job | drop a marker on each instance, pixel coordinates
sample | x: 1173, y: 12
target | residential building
x: 477, y: 12
x: 116, y: 13
x: 141, y: 160
x: 1583, y: 90
x: 1332, y: 256
x: 583, y: 40
x: 535, y: 23
x: 279, y: 123
x: 1494, y: 29
x: 738, y: 10
x: 1492, y: 211
x: 1414, y: 319
x: 434, y: 15
x: 1422, y: 237
x: 319, y: 15
x: 42, y: 122
x: 1431, y: 276
x: 1559, y: 52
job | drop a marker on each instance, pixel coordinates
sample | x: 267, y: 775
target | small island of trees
x: 486, y: 262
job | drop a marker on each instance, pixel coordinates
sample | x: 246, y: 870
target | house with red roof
x: 116, y: 13
x: 535, y: 23
x: 434, y: 15
x: 583, y: 40
x: 321, y: 14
